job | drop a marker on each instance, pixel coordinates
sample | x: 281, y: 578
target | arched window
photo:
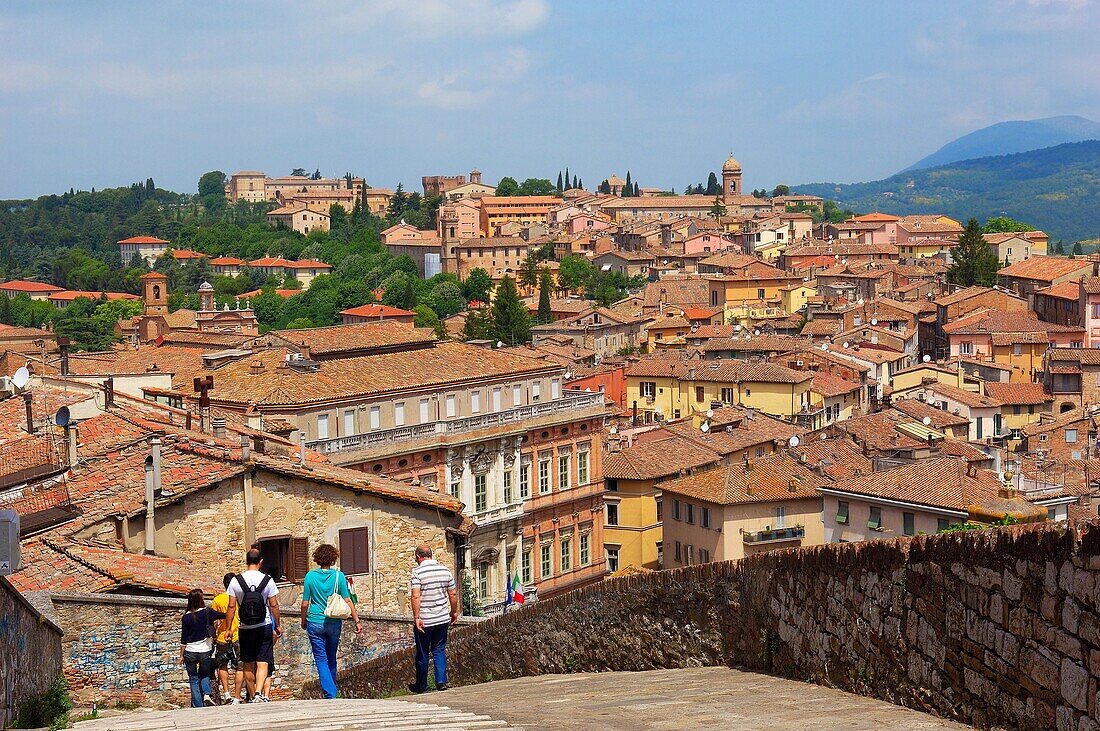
x: 156, y: 291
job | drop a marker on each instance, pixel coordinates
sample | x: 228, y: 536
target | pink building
x: 705, y: 242
x: 588, y: 222
x: 1090, y: 310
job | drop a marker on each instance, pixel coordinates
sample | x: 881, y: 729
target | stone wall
x: 30, y: 651
x: 992, y: 628
x: 126, y: 648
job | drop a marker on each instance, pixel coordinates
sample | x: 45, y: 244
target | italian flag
x: 515, y: 591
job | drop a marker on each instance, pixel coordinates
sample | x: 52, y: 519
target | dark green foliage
x: 479, y: 325
x: 628, y: 189
x: 546, y: 286
x: 529, y: 271
x: 604, y: 187
x: 446, y: 298
x: 1004, y: 224
x: 781, y: 190
x: 973, y: 259
x: 1055, y: 189
x: 90, y: 324
x: 560, y: 189
x: 477, y: 286
x: 507, y: 186
x: 713, y: 186
x: 511, y: 323
x: 427, y: 317
x: 48, y: 708
x: 1077, y: 250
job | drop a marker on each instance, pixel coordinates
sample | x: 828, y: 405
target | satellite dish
x: 824, y: 346
x: 21, y: 377
x: 823, y: 436
x: 926, y: 358
x: 793, y: 442
x: 874, y: 320
x: 614, y: 429
x: 658, y: 410
x: 756, y: 332
x: 737, y: 328
x: 705, y: 427
x: 930, y: 398
x: 710, y: 413
x: 61, y: 418
x: 845, y: 344
x: 859, y: 301
x: 926, y: 420
x: 500, y: 344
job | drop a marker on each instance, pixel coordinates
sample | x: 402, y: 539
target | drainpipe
x: 249, y: 510
x: 302, y: 448
x: 245, y: 448
x: 150, y: 499
x: 70, y: 434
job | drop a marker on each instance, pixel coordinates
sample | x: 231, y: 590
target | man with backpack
x: 255, y: 598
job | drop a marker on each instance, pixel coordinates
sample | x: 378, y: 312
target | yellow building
x: 1022, y: 352
x: 664, y: 388
x: 746, y: 507
x: 925, y: 248
x: 832, y: 399
x: 523, y: 209
x: 795, y: 295
x: 1021, y: 404
x: 634, y: 474
x: 760, y: 287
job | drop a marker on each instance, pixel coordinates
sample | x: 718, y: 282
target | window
x: 714, y: 299
x: 704, y: 555
x: 322, y: 426
x: 483, y: 579
x: 649, y: 389
x: 966, y: 348
x: 425, y: 411
x: 908, y: 524
x: 679, y: 552
x: 1017, y: 349
x: 524, y: 480
x: 563, y: 471
x: 689, y: 554
x: 276, y: 553
x: 399, y: 414
x: 475, y: 402
x: 690, y: 513
x: 450, y: 401
x: 456, y: 487
x: 349, y: 423
x: 481, y: 493
x: 566, y: 554
x: 535, y: 389
x: 582, y: 468
x: 612, y: 513
x: 760, y: 293
x: 517, y: 395
x: 942, y: 524
x: 612, y: 558
x: 699, y: 393
x: 874, y: 519
x: 508, y: 486
x: 1071, y: 436
x: 661, y: 553
x: 544, y: 475
x: 555, y: 389
x: 585, y: 546
x: 496, y: 399
x: 355, y: 551
x: 705, y: 521
x: 748, y: 392
x: 780, y: 516
x: 842, y: 512
x: 727, y: 395
x: 676, y: 509
x: 375, y: 417
x: 1016, y: 410
x: 525, y: 566
x: 546, y: 568
x: 659, y: 504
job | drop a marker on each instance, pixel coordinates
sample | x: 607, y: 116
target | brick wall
x: 126, y: 648
x: 998, y: 627
x: 30, y: 651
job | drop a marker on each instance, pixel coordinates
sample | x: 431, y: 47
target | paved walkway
x: 663, y: 700
x: 667, y: 700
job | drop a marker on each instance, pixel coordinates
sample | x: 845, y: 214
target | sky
x: 105, y: 94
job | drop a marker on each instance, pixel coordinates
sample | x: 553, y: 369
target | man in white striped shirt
x: 435, y: 608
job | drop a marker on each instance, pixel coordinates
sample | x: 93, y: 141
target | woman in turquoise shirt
x: 324, y: 633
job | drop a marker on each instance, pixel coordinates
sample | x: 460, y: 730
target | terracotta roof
x: 962, y: 295
x: 917, y: 409
x: 820, y: 328
x: 226, y: 261
x: 143, y: 240
x: 940, y: 482
x: 376, y: 309
x: 69, y: 295
x: 22, y: 285
x: 829, y: 385
x: 661, y: 457
x: 747, y: 343
x: 364, y: 336
x: 1083, y: 356
x: 187, y: 254
x: 967, y: 398
x: 984, y: 322
x: 1070, y: 290
x: 836, y: 457
x: 1046, y: 268
x: 920, y: 223
x: 773, y: 478
x: 1091, y: 285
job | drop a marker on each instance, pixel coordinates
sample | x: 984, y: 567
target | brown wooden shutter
x: 355, y: 550
x: 298, y: 562
x: 347, y: 551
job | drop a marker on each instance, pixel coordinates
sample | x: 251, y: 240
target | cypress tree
x: 559, y: 182
x: 974, y: 260
x: 576, y: 182
x: 511, y: 323
x: 1077, y: 249
x: 636, y: 193
x: 566, y: 176
x: 628, y: 189
x: 546, y: 283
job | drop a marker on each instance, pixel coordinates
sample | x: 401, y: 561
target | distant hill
x: 1007, y: 138
x: 1056, y: 189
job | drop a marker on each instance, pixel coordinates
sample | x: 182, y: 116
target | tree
x: 5, y: 310
x: 299, y: 323
x: 713, y: 188
x: 604, y: 187
x: 974, y: 260
x: 529, y: 270
x: 398, y: 201
x: 511, y: 323
x: 1004, y: 224
x: 781, y: 190
x: 574, y: 271
x: 577, y: 182
x: 299, y: 172
x: 446, y: 299
x: 1059, y: 248
x: 427, y: 317
x: 317, y: 174
x: 536, y: 186
x: 477, y: 286
x: 400, y: 291
x: 478, y: 325
x: 717, y: 210
x: 628, y: 189
x: 546, y: 285
x: 507, y: 186
x: 212, y: 191
x: 636, y: 189
x: 1077, y: 249
x: 560, y: 189
x: 566, y: 181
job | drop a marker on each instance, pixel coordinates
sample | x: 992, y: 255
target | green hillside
x: 1056, y: 189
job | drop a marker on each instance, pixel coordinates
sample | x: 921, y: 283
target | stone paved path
x: 663, y: 700
x: 667, y: 700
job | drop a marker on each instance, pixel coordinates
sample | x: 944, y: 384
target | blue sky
x: 103, y: 94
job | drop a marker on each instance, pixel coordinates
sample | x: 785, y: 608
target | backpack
x: 253, y: 605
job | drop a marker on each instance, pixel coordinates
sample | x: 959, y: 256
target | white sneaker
x: 207, y: 701
x: 234, y: 701
x: 260, y: 698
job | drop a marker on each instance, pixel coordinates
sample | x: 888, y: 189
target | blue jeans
x: 431, y: 644
x: 199, y: 669
x: 324, y: 638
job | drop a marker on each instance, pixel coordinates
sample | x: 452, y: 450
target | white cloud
x: 436, y: 18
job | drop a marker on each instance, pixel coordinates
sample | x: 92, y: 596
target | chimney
x: 109, y: 392
x: 70, y: 438
x: 28, y: 397
x: 63, y: 346
x: 152, y: 487
x: 245, y: 447
x: 256, y: 367
x: 304, y: 351
x: 218, y: 425
x: 301, y: 448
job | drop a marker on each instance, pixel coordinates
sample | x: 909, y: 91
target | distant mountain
x: 1007, y: 138
x: 1056, y: 189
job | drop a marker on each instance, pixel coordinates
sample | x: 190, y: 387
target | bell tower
x: 731, y: 180
x: 154, y: 293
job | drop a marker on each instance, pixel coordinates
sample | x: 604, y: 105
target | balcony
x: 571, y: 406
x: 496, y: 513
x: 774, y: 535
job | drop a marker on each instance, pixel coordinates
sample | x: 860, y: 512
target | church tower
x: 154, y: 293
x: 206, y: 297
x: 731, y: 180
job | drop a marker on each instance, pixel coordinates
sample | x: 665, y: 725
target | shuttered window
x: 297, y: 561
x: 355, y: 551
